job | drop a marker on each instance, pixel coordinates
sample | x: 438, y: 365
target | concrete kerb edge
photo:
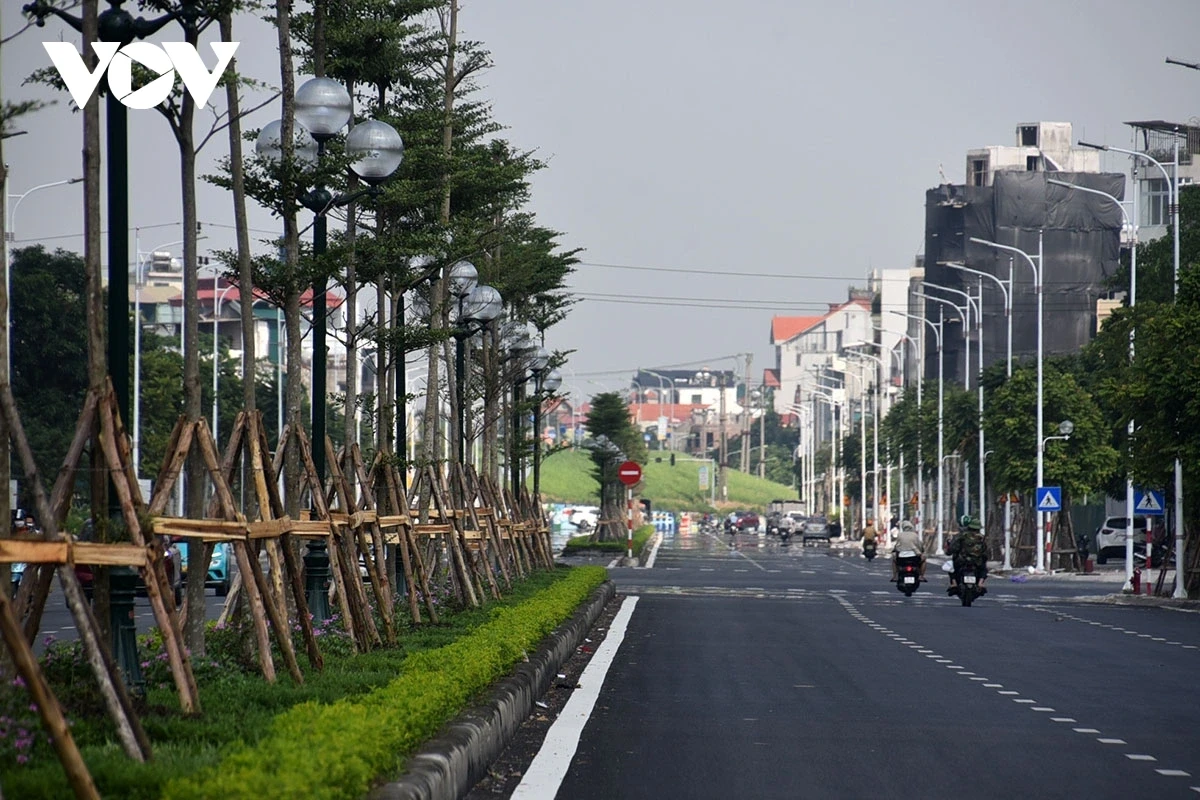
x: 449, y: 765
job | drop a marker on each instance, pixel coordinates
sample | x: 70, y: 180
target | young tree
x: 615, y: 435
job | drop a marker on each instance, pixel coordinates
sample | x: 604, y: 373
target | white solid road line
x: 545, y: 775
x: 654, y: 551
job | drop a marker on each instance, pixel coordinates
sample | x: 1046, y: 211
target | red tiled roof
x: 771, y: 378
x: 650, y: 412
x: 785, y: 328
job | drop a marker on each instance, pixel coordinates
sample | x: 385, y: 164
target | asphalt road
x: 57, y: 622
x: 772, y: 671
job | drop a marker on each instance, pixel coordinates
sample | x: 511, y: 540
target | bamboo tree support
x: 520, y: 530
x: 274, y: 605
x: 355, y: 536
x: 466, y: 502
x: 47, y: 704
x: 154, y: 575
x: 35, y: 587
x: 540, y: 533
x: 504, y: 522
x: 348, y: 555
x: 182, y: 437
x: 487, y: 511
x: 374, y: 529
x: 431, y: 547
x: 410, y: 553
x: 270, y: 506
x: 475, y: 507
x: 358, y: 625
x: 112, y: 688
x: 456, y: 550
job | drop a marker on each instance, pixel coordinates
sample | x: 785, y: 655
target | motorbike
x: 969, y: 589
x: 868, y: 549
x: 785, y: 533
x: 908, y: 572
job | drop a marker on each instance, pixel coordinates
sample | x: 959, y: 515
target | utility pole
x: 745, y: 432
x: 721, y: 477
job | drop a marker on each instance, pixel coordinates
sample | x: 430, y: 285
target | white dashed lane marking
x: 1014, y: 695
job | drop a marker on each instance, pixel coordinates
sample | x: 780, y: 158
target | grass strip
x: 338, y: 750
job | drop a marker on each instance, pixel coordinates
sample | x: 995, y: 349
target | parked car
x: 816, y: 528
x: 746, y: 520
x: 1110, y: 537
x: 584, y: 518
x: 221, y: 567
x: 173, y: 562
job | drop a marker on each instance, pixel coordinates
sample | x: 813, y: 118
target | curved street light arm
x: 1005, y: 287
x: 1105, y: 195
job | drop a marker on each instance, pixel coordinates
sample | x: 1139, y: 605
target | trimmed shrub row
x: 583, y: 544
x: 339, y: 749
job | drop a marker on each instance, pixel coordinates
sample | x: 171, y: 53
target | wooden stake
x: 47, y: 704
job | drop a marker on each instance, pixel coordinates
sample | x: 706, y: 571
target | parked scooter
x: 868, y: 549
x: 908, y: 572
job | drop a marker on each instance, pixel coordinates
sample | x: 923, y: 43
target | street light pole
x: 1173, y: 205
x: 216, y: 357
x: 1133, y: 226
x: 937, y: 328
x: 1037, y: 281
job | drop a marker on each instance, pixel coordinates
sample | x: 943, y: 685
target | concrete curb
x: 449, y: 765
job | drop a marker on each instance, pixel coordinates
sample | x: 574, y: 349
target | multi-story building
x: 806, y: 347
x: 1007, y: 199
x: 1157, y: 138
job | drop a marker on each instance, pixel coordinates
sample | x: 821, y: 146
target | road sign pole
x: 629, y: 521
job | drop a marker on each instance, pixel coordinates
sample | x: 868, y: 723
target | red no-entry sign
x: 629, y: 473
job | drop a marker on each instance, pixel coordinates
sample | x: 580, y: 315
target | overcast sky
x: 788, y: 137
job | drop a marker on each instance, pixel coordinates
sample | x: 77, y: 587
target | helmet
x: 906, y: 526
x: 971, y: 523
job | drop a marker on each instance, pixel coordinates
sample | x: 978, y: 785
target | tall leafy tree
x: 609, y: 418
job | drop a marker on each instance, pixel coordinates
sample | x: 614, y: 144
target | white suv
x: 1110, y: 538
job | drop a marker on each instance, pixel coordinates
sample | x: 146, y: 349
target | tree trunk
x: 291, y: 250
x: 245, y: 270
x: 431, y: 445
x: 350, y: 408
x: 96, y: 310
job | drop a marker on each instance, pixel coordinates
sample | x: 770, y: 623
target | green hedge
x: 339, y: 749
x: 583, y: 544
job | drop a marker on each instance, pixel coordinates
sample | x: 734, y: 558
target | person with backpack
x: 969, y: 552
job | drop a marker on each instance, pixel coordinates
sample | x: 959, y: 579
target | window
x: 1153, y: 200
x: 1031, y: 163
x: 798, y: 360
x: 697, y: 400
x: 979, y: 171
x: 1029, y: 136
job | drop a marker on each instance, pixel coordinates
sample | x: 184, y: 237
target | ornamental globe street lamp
x: 547, y: 385
x: 480, y: 306
x: 323, y: 108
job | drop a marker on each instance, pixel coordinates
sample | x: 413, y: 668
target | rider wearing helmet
x: 909, y: 540
x: 969, y: 551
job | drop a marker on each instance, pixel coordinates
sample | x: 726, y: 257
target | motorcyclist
x: 908, y: 540
x: 869, y: 534
x: 969, y: 551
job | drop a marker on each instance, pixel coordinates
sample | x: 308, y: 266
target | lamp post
x: 1065, y: 428
x: 1038, y: 274
x: 480, y: 306
x: 461, y: 280
x: 1132, y: 224
x: 668, y: 387
x: 758, y: 400
x: 216, y: 358
x: 323, y: 108
x: 937, y: 328
x: 1006, y: 293
x: 547, y: 385
x: 875, y: 422
x: 976, y: 306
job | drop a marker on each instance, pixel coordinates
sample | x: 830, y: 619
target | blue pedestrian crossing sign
x: 1049, y: 498
x: 1148, y: 502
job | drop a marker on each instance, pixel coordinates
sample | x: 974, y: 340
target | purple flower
x: 19, y: 682
x: 33, y: 707
x: 21, y: 759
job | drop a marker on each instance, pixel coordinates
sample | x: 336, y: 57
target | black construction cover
x: 1080, y: 242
